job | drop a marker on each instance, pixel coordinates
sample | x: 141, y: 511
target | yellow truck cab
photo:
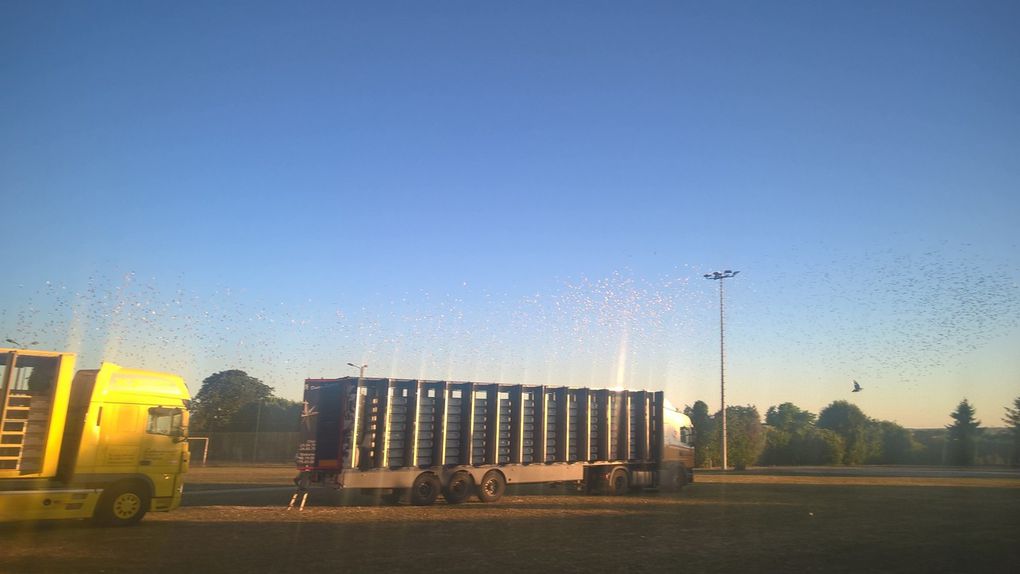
x: 108, y: 443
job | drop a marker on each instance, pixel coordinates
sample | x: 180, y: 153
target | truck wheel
x: 425, y: 489
x: 618, y: 483
x: 459, y: 488
x: 122, y: 504
x: 492, y: 486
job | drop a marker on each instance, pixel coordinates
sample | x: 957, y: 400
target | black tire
x: 459, y: 488
x: 492, y: 487
x: 682, y: 479
x: 122, y: 504
x: 425, y: 489
x: 618, y: 484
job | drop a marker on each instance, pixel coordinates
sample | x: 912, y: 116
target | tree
x: 793, y: 438
x: 874, y: 442
x: 705, y: 441
x: 777, y: 447
x: 788, y: 430
x: 1013, y: 421
x: 43, y: 376
x: 817, y: 446
x: 746, y: 436
x: 222, y: 395
x: 962, y: 435
x: 273, y: 414
x: 789, y: 417
x: 896, y: 444
x: 847, y: 421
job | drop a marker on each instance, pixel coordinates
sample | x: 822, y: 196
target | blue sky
x: 527, y: 192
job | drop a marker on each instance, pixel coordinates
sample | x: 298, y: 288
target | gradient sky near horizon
x: 527, y: 192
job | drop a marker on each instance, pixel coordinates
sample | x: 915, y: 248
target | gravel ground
x: 235, y: 520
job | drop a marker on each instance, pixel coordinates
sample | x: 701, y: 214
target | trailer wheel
x: 122, y: 504
x: 425, y: 489
x: 459, y: 488
x: 492, y: 486
x: 618, y: 483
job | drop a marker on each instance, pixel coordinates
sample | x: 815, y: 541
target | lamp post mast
x: 361, y: 371
x: 717, y: 276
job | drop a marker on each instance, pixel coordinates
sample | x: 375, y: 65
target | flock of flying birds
x: 892, y: 319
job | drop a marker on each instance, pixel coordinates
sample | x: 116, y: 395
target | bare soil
x: 722, y: 523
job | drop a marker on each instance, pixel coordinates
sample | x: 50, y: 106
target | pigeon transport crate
x: 420, y: 439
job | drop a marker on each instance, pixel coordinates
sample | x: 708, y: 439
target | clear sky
x: 524, y: 192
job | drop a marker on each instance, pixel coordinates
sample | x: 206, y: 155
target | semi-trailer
x: 418, y: 439
x: 106, y: 443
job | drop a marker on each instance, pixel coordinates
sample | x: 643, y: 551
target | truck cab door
x: 163, y: 447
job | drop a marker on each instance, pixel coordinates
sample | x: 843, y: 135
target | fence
x: 246, y: 447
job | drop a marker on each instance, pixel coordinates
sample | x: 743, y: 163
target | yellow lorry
x: 107, y: 444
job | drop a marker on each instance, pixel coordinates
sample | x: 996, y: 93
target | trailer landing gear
x: 302, y: 481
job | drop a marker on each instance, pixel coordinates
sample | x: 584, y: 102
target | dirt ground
x: 235, y: 520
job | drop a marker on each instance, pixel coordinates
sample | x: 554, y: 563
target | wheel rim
x: 459, y: 487
x: 425, y: 489
x: 127, y: 505
x: 491, y: 486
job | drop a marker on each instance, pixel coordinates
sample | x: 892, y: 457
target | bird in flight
x: 857, y: 387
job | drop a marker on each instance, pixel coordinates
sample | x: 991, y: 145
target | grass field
x: 723, y: 523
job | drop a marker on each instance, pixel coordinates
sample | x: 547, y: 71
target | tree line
x: 234, y: 401
x: 841, y: 434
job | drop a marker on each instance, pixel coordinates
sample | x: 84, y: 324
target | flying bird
x: 857, y: 387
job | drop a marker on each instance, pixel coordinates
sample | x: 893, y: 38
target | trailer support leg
x: 303, y: 494
x: 301, y: 481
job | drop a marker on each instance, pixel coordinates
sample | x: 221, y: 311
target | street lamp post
x: 717, y: 276
x: 258, y: 425
x: 20, y: 346
x: 364, y: 448
x: 361, y: 370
